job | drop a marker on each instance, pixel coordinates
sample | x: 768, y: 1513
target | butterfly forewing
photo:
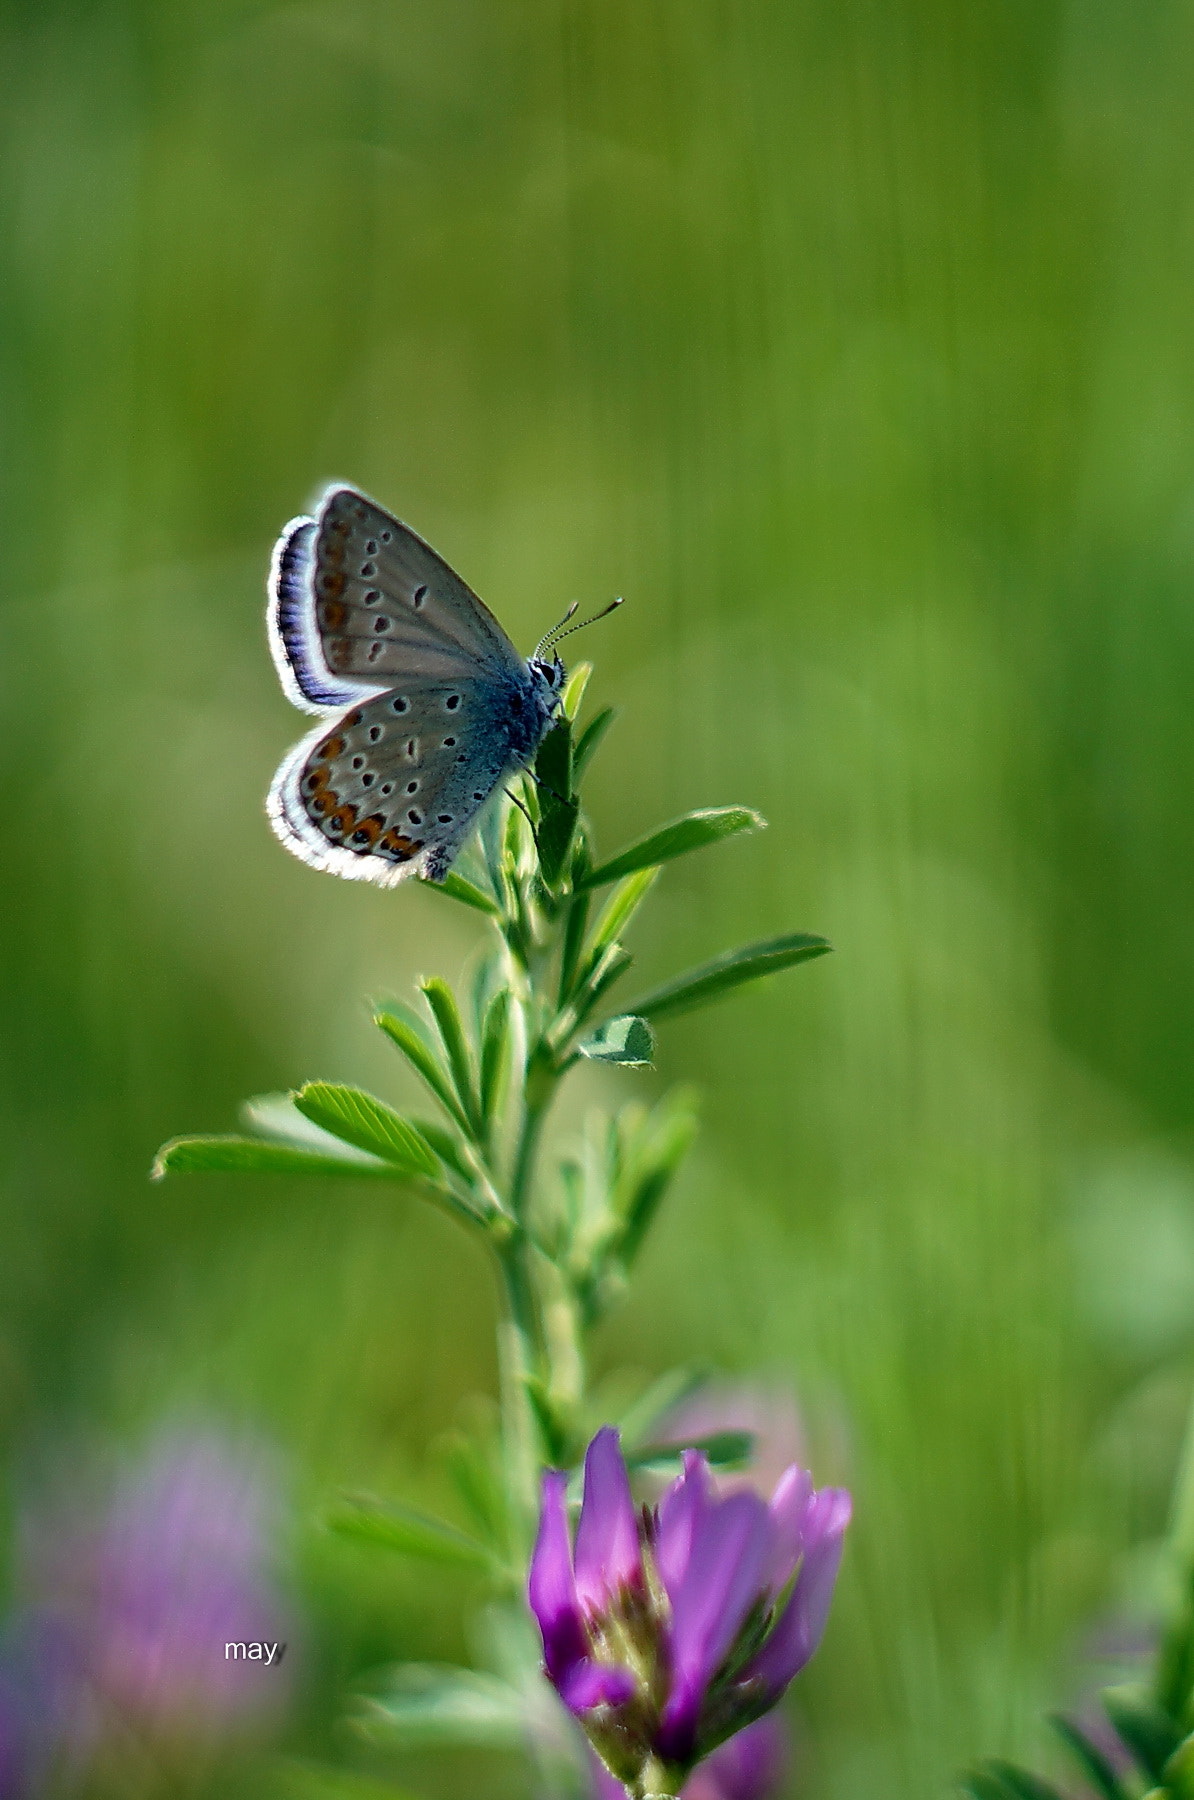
x: 383, y: 597
x: 365, y: 615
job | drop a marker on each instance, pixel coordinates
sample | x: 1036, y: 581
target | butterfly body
x: 426, y: 706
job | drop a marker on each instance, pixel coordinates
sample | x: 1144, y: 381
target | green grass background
x: 853, y: 342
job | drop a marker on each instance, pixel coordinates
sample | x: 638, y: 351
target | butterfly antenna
x: 559, y: 634
x: 549, y: 637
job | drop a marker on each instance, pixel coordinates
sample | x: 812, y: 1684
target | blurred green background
x: 852, y: 342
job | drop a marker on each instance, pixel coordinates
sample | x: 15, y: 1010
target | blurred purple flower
x: 769, y: 1415
x: 131, y: 1610
x: 666, y: 1636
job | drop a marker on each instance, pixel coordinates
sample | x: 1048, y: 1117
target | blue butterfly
x: 433, y: 706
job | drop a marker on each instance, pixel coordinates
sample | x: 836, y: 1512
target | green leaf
x: 672, y: 1128
x: 1149, y: 1733
x: 1179, y: 1771
x: 590, y: 738
x: 442, y: 1002
x: 723, y: 1449
x: 553, y: 762
x: 610, y: 966
x: 554, y: 837
x: 495, y: 1047
x: 575, y: 923
x: 447, y: 1147
x: 692, y: 832
x: 697, y: 987
x: 574, y: 689
x: 255, y: 1156
x: 1094, y: 1764
x: 423, y: 1704
x: 625, y: 1040
x: 357, y: 1118
x: 622, y: 905
x: 457, y: 888
x: 407, y: 1032
x: 558, y: 808
x: 392, y: 1526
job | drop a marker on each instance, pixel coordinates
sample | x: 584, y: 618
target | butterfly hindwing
x: 392, y: 787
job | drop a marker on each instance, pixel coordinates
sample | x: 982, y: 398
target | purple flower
x: 668, y: 1634
x: 748, y: 1766
x: 129, y: 1604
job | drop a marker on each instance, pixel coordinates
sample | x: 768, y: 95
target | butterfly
x: 426, y: 706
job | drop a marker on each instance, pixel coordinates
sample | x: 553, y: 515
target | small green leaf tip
x: 1007, y: 1781
x: 256, y: 1156
x: 627, y: 1040
x: 691, y: 832
x: 697, y: 987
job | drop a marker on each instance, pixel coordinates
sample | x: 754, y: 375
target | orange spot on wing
x: 333, y: 746
x: 367, y: 833
x: 334, y: 614
x: 344, y: 818
x: 400, y: 848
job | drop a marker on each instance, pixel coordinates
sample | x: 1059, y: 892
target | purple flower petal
x: 680, y: 1513
x: 607, y: 1550
x: 798, y: 1631
x: 726, y: 1572
x: 591, y: 1684
x: 749, y: 1766
x: 789, y: 1506
x: 551, y: 1586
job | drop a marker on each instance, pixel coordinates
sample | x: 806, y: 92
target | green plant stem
x: 519, y: 1340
